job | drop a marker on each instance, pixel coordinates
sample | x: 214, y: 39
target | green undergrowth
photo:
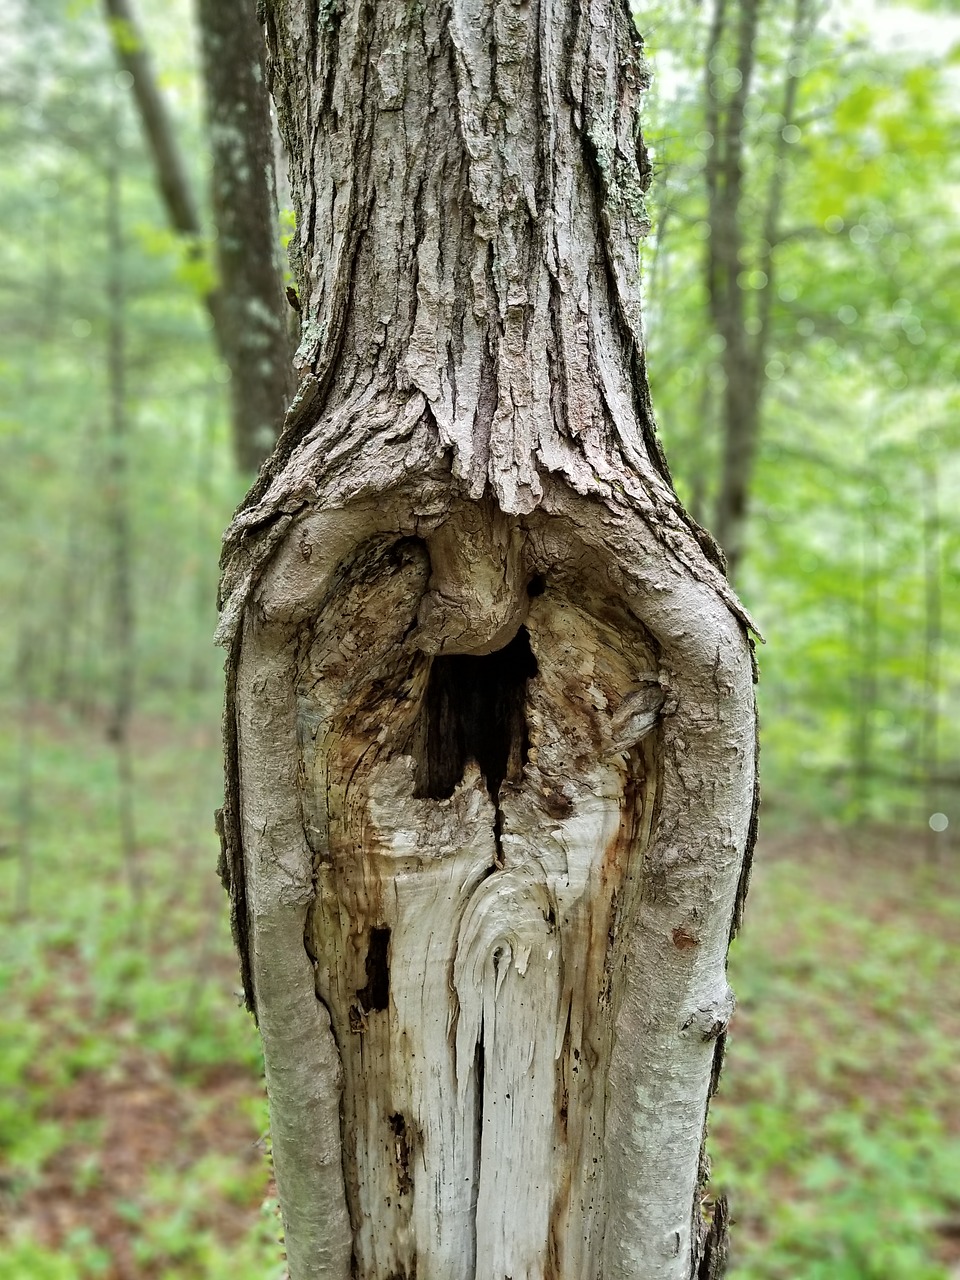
x: 132, y: 1121
x: 835, y: 1129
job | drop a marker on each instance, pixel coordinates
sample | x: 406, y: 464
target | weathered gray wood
x: 490, y: 724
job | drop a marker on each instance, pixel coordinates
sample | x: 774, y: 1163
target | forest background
x: 133, y: 1135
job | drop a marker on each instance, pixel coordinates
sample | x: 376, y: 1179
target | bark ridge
x: 490, y: 724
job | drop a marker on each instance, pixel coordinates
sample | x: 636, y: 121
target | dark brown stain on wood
x: 375, y: 996
x: 683, y: 940
x: 556, y: 803
x: 401, y: 1146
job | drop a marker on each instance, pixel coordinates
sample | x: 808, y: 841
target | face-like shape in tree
x: 477, y: 821
x: 482, y: 892
x: 484, y: 833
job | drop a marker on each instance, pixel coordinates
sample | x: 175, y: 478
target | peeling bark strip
x: 490, y: 732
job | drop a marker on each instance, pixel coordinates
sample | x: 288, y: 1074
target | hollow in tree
x: 490, y: 723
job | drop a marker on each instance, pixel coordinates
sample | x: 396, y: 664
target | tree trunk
x: 741, y: 317
x: 932, y: 553
x: 248, y: 308
x: 743, y: 385
x: 122, y: 621
x: 490, y: 723
x: 254, y: 317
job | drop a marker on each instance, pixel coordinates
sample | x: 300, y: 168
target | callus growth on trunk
x: 490, y: 726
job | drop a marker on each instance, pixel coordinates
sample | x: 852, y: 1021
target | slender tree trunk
x: 932, y: 640
x: 173, y: 179
x: 725, y: 260
x: 251, y: 317
x: 490, y: 725
x: 868, y: 640
x: 25, y: 773
x: 254, y: 316
x: 203, y: 603
x: 122, y: 622
x: 66, y: 640
x: 741, y: 317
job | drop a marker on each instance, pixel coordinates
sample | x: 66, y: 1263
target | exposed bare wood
x: 490, y: 726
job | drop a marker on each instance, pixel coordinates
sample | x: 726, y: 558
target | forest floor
x: 132, y: 1122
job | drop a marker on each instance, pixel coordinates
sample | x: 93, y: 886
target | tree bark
x: 122, y: 622
x: 932, y: 559
x: 743, y: 385
x: 173, y: 180
x: 490, y: 730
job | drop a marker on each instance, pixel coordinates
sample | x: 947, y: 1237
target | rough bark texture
x: 490, y: 730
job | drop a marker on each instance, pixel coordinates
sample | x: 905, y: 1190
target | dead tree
x: 490, y: 728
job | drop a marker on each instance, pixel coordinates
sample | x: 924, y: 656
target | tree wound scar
x: 474, y: 710
x: 375, y: 996
x: 478, y: 832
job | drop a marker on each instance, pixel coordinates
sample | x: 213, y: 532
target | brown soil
x: 136, y: 1121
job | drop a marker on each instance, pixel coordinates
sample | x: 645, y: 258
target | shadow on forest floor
x: 132, y: 1123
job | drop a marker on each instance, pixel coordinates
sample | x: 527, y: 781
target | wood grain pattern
x: 490, y: 724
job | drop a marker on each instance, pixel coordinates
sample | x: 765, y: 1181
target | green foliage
x: 54, y: 444
x: 112, y: 1009
x: 832, y: 1129
x: 28, y: 1261
x: 107, y: 1000
x: 855, y: 494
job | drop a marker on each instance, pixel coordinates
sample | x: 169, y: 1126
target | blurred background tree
x: 802, y: 314
x: 804, y: 366
x: 252, y: 323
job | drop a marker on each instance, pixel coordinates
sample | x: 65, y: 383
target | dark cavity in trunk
x: 474, y: 709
